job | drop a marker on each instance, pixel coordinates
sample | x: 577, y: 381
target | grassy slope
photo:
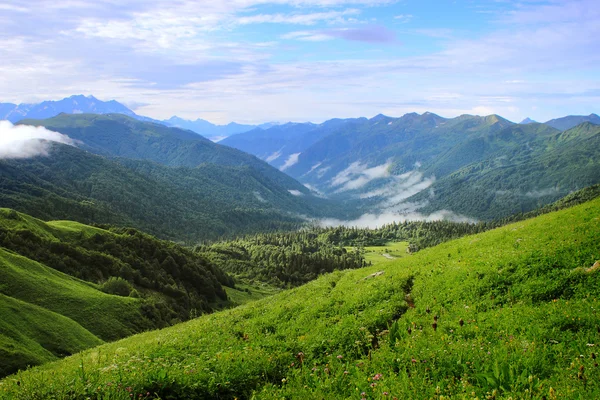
x: 108, y: 317
x: 31, y: 335
x: 528, y: 304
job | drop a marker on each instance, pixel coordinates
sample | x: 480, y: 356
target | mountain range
x: 79, y: 104
x: 482, y: 167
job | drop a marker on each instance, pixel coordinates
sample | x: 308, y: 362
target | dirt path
x: 386, y: 255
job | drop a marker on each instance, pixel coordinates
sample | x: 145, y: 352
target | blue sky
x: 306, y: 60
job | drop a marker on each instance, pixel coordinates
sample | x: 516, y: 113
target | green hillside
x: 165, y: 282
x: 114, y: 317
x: 32, y: 335
x: 509, y: 313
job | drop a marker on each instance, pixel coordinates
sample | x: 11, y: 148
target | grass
x: 106, y: 316
x: 31, y: 335
x: 516, y: 312
x: 384, y: 254
x: 245, y: 292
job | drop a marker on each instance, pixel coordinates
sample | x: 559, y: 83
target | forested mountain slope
x: 180, y: 203
x: 122, y: 136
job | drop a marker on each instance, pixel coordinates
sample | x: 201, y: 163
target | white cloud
x: 292, y: 159
x: 273, y: 156
x: 298, y: 19
x: 357, y: 175
x: 373, y: 221
x: 296, y: 192
x: 404, y: 18
x: 24, y: 141
x: 542, y: 192
x: 259, y: 197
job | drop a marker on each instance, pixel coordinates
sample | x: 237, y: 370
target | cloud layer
x: 23, y: 141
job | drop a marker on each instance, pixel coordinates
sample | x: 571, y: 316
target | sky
x: 254, y: 61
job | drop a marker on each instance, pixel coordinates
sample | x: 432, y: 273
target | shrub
x: 117, y: 286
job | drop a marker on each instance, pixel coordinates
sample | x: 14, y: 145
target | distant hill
x: 419, y: 162
x: 207, y: 129
x: 77, y: 104
x: 545, y: 167
x: 121, y: 136
x: 571, y: 121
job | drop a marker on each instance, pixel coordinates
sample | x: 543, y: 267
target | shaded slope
x: 516, y: 299
x: 167, y: 283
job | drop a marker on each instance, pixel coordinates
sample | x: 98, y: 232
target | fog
x: 24, y: 141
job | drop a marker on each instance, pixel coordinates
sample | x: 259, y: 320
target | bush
x: 117, y: 286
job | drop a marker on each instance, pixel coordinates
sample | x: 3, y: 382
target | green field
x: 510, y: 313
x: 383, y: 254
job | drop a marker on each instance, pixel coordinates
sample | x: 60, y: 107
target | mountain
x: 571, y: 121
x: 183, y: 203
x: 77, y: 104
x: 207, y: 129
x: 117, y: 135
x: 280, y: 145
x: 364, y: 152
x: 481, y: 167
x: 527, y: 121
x: 518, y: 304
x: 80, y: 104
x: 545, y: 167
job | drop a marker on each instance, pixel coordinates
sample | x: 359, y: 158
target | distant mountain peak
x: 527, y: 121
x: 379, y: 117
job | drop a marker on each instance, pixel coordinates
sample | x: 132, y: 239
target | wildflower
x: 346, y: 372
x: 377, y: 377
x: 339, y: 357
x: 413, y: 360
x: 373, y: 384
x: 385, y: 393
